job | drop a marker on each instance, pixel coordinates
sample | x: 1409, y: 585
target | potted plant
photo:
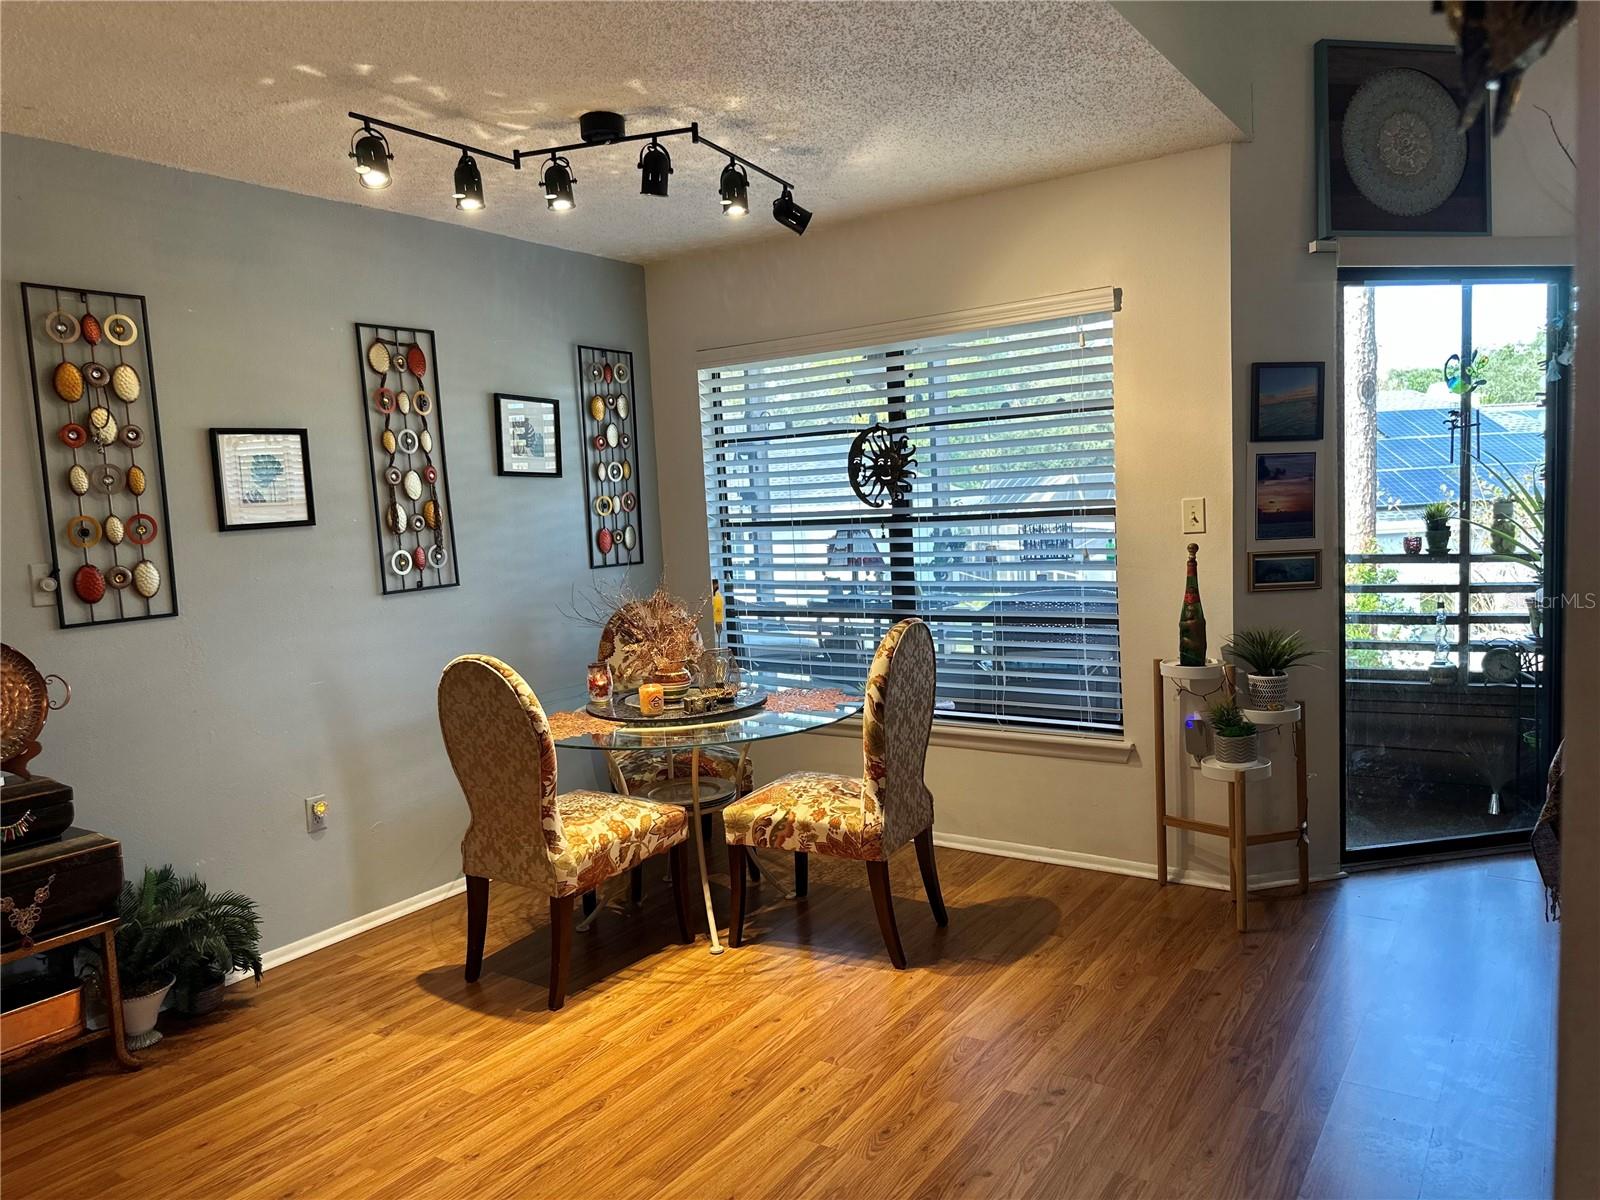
x: 1233, y: 737
x: 1436, y: 525
x: 1268, y: 653
x: 172, y: 926
x: 153, y: 912
x: 223, y: 936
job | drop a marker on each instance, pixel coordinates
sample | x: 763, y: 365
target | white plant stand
x: 1238, y: 777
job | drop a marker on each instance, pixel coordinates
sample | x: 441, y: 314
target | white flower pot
x: 1234, y: 749
x: 1268, y: 691
x: 139, y: 1015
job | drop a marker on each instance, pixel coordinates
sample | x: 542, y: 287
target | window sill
x: 957, y: 736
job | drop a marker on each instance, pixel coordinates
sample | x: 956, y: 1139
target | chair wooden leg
x: 591, y: 901
x: 736, y: 885
x: 705, y: 828
x: 930, y: 876
x: 883, y: 901
x: 636, y: 887
x: 560, y: 948
x: 802, y: 872
x: 477, y: 923
x: 678, y: 859
x: 752, y: 868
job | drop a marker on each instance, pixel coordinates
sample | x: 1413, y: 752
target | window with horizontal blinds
x: 1005, y: 543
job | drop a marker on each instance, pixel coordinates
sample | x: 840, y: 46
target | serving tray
x: 746, y: 700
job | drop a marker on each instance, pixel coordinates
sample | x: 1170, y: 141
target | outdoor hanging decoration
x: 881, y: 466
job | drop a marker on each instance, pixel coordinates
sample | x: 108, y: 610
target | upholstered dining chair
x: 522, y: 830
x: 866, y: 818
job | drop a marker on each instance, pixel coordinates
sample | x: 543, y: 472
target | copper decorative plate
x: 24, y: 702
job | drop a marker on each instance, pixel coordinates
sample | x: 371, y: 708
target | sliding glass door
x: 1453, y: 386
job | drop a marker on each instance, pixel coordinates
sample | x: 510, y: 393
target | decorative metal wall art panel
x: 105, y: 486
x: 405, y: 449
x: 608, y: 425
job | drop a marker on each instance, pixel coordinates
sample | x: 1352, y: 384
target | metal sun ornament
x: 881, y: 466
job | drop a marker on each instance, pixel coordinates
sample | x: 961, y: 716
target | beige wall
x: 1285, y: 300
x: 1159, y: 231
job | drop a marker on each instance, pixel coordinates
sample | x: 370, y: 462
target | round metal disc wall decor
x: 608, y: 413
x: 404, y: 409
x: 1400, y: 142
x: 92, y: 370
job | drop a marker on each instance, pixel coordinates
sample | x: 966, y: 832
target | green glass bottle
x: 1192, y: 620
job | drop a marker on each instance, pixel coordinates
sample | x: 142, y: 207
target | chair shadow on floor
x: 836, y: 918
x: 626, y: 944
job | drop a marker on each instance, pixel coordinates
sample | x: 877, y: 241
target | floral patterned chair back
x: 897, y: 721
x: 505, y: 760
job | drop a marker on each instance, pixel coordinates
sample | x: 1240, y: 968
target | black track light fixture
x: 369, y: 147
x: 789, y: 214
x: 655, y: 164
x: 469, y: 184
x: 558, y: 180
x: 735, y: 190
x: 371, y: 151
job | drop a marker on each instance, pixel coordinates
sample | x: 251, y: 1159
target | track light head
x: 655, y: 164
x: 557, y: 180
x: 789, y: 214
x: 371, y: 152
x: 735, y: 190
x: 469, y: 184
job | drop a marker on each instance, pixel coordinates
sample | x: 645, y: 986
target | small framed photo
x: 262, y: 477
x: 527, y: 436
x: 1286, y: 402
x: 1286, y: 571
x: 1286, y: 496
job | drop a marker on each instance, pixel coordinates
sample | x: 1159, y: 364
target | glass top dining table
x: 791, y: 707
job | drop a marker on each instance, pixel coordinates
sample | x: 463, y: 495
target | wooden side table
x: 106, y: 931
x: 1238, y: 777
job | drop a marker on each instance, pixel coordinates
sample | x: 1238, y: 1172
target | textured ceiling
x: 866, y: 106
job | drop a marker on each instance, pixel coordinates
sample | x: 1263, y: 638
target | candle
x: 599, y: 683
x: 652, y: 699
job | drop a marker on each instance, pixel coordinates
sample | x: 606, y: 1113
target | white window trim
x: 1016, y: 312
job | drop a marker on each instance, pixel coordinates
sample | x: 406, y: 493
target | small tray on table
x: 625, y: 708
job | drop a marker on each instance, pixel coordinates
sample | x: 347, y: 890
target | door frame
x: 1557, y: 398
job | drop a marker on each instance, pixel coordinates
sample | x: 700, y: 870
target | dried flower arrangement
x: 639, y: 635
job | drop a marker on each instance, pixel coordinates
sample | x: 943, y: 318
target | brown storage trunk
x: 34, y: 810
x: 74, y: 882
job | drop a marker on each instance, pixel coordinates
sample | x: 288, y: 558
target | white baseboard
x: 1112, y: 866
x: 348, y: 929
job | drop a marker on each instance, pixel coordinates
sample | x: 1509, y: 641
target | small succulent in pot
x: 1436, y: 525
x: 1233, y: 736
x: 1268, y: 653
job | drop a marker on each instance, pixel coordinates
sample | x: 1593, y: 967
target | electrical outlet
x: 316, y: 814
x: 1194, y: 734
x: 1194, y: 515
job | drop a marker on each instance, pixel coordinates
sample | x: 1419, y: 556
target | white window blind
x: 1005, y: 544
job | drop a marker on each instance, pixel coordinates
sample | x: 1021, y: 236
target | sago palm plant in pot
x: 1233, y: 736
x: 1267, y: 653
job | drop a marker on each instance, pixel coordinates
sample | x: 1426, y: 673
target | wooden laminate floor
x: 1071, y: 1034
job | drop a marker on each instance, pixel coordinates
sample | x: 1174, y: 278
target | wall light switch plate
x: 42, y: 585
x: 1194, y: 515
x: 316, y: 814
